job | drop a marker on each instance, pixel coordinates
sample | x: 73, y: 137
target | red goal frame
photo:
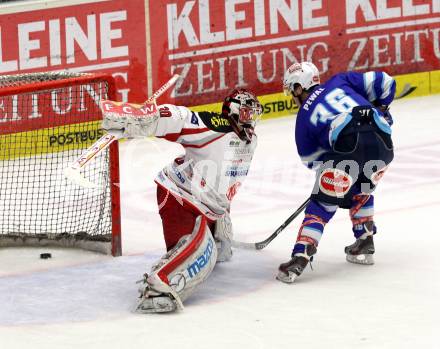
x: 34, y: 86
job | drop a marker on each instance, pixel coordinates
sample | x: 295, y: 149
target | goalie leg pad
x: 175, y: 277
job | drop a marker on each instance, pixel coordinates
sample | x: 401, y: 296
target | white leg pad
x: 175, y: 277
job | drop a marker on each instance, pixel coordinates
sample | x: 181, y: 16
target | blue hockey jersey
x: 337, y: 97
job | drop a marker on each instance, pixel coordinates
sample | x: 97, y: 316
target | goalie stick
x: 262, y: 244
x: 72, y: 172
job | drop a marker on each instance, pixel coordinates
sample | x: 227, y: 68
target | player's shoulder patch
x: 215, y: 122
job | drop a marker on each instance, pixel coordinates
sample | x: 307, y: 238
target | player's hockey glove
x: 385, y: 109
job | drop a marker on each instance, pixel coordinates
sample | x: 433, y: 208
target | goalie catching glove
x: 125, y: 120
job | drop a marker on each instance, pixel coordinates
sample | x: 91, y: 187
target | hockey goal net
x: 46, y: 121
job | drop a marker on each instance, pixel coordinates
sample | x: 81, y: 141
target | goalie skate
x: 159, y: 304
x: 151, y: 301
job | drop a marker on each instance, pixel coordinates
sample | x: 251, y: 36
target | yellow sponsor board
x: 278, y: 105
x: 418, y: 80
x: 274, y: 105
x: 435, y: 81
x: 213, y: 107
x: 49, y: 140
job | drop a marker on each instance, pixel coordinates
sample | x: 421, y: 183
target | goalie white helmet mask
x: 304, y: 74
x: 243, y: 110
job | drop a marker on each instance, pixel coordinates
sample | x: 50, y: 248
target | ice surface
x: 80, y: 299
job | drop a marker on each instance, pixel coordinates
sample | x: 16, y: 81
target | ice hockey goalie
x: 194, y: 192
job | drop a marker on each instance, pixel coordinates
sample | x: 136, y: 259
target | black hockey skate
x: 289, y: 271
x: 362, y: 250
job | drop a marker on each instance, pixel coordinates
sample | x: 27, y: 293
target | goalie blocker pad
x: 179, y: 271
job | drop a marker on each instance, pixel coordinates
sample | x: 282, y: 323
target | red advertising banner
x: 217, y: 45
x: 86, y: 36
x: 59, y: 107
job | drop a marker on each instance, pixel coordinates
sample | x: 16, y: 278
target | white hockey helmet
x: 305, y: 74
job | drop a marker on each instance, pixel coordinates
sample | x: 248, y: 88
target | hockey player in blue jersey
x: 343, y: 133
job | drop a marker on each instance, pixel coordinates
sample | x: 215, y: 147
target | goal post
x: 46, y: 121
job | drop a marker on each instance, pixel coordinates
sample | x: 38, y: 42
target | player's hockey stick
x: 407, y: 89
x: 72, y: 172
x: 262, y: 244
